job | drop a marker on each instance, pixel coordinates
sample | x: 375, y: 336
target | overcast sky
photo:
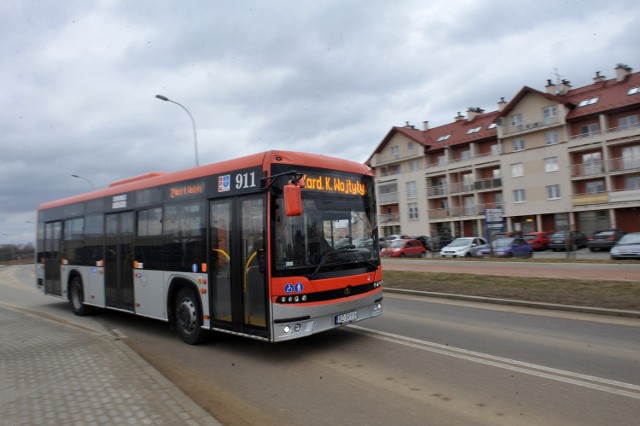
x: 79, y: 79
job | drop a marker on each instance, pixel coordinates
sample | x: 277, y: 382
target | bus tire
x: 76, y: 298
x: 187, y: 317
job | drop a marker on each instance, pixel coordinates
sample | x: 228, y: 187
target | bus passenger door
x: 237, y: 264
x: 118, y: 265
x: 52, y: 258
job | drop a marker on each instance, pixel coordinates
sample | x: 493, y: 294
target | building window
x: 594, y: 187
x: 395, y: 152
x: 628, y: 122
x: 442, y: 160
x: 589, y: 101
x: 465, y: 155
x: 516, y: 122
x: 519, y: 196
x: 413, y: 211
x: 496, y: 149
x: 551, y: 164
x: 631, y: 157
x: 549, y: 114
x: 517, y: 170
x: 589, y: 129
x: 553, y: 192
x: 411, y: 190
x: 414, y: 165
x: 632, y: 182
x: 518, y: 145
x: 410, y: 145
x: 552, y: 137
x: 592, y: 163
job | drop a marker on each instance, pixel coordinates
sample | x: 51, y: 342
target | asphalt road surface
x: 424, y: 361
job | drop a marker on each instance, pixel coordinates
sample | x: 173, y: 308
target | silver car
x: 628, y: 247
x: 463, y: 247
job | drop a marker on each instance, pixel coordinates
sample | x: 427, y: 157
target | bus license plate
x: 347, y: 317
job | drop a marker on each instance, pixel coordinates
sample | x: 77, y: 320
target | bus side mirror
x: 292, y: 200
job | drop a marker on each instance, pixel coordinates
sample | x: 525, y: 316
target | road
x: 424, y: 361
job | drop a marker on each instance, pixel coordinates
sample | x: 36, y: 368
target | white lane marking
x: 584, y: 380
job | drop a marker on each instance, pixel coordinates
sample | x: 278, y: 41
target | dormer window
x: 634, y: 90
x: 492, y: 126
x: 589, y: 101
x: 474, y: 130
x: 444, y: 137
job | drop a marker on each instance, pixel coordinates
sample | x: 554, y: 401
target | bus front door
x: 118, y: 264
x: 237, y: 258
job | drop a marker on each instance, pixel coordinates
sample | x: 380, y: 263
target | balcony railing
x: 389, y: 218
x: 610, y: 133
x: 629, y: 163
x: 457, y: 212
x: 587, y: 199
x: 458, y: 187
x: 512, y: 128
x: 388, y: 198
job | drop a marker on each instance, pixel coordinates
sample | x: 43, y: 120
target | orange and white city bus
x: 273, y: 246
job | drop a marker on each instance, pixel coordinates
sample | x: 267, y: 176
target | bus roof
x: 264, y: 158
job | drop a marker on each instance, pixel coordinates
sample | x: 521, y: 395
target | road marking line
x: 584, y: 380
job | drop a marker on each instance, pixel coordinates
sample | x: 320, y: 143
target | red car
x: 538, y: 240
x: 404, y: 248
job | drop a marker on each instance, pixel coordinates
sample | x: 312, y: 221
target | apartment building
x: 558, y: 158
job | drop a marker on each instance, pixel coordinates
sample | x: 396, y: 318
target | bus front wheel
x: 187, y: 315
x: 76, y: 298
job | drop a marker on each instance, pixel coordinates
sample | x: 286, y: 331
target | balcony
x: 630, y: 163
x: 587, y: 169
x: 438, y: 191
x: 625, y: 196
x: 389, y: 219
x: 510, y: 129
x: 589, y: 199
x: 388, y: 198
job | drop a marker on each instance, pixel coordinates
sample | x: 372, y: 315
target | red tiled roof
x: 611, y: 94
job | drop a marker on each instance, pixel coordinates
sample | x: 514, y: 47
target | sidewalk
x: 57, y: 374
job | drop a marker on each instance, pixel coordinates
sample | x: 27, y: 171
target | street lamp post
x: 84, y: 178
x: 193, y: 123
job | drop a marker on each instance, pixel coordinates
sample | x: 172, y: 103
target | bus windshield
x: 334, y: 235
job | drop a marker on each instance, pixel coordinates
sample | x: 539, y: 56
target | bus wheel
x: 187, y: 315
x: 76, y: 298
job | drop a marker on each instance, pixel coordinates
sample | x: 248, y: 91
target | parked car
x: 385, y: 241
x: 426, y: 241
x: 463, y: 247
x: 538, y: 240
x: 404, y: 248
x: 576, y: 240
x: 507, y: 247
x: 604, y: 239
x: 627, y: 248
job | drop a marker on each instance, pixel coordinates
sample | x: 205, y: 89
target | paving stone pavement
x: 57, y: 374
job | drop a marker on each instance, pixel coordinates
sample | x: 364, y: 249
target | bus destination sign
x: 347, y: 186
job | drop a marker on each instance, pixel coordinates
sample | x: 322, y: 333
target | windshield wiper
x: 323, y: 258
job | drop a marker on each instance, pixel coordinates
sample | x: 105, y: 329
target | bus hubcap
x: 187, y: 315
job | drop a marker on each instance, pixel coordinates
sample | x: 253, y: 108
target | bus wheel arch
x: 75, y: 290
x: 185, y: 311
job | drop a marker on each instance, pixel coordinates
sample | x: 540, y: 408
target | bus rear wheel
x: 188, y: 316
x: 76, y: 298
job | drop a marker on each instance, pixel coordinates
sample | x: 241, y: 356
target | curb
x: 511, y: 302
